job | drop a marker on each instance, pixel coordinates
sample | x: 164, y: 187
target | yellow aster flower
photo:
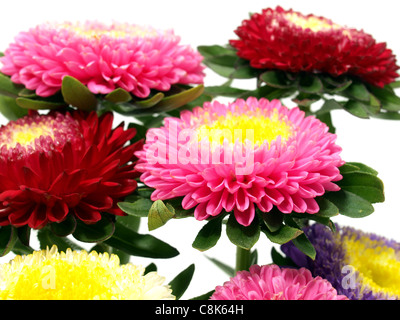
x: 78, y: 275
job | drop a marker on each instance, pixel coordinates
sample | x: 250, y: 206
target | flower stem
x: 243, y: 259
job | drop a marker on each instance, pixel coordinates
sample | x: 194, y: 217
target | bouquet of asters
x: 248, y: 164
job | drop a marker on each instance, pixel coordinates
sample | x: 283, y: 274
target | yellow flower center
x: 26, y: 134
x: 50, y: 275
x: 254, y: 126
x: 96, y: 31
x: 313, y: 23
x: 378, y: 264
x: 40, y: 132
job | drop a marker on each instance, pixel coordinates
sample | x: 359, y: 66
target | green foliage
x: 15, y: 99
x: 305, y: 89
x: 77, y: 94
x: 8, y: 237
x: 65, y: 227
x: 182, y: 281
x: 143, y: 245
x: 159, y: 102
x: 223, y: 266
x: 97, y: 232
x: 209, y: 235
x: 118, y: 95
x: 159, y: 214
x: 136, y: 206
x: 241, y: 236
x: 10, y: 109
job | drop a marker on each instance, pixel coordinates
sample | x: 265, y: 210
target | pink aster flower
x: 269, y: 282
x: 236, y: 157
x: 103, y: 57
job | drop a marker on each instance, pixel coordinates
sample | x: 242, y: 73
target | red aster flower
x: 59, y: 164
x: 288, y: 40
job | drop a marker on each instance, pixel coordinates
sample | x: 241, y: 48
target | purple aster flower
x: 359, y: 265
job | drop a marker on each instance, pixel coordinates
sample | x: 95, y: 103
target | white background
x: 373, y: 142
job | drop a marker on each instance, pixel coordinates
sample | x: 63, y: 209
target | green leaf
x: 365, y: 185
x: 24, y: 235
x: 136, y: 206
x: 150, y: 268
x: 283, y: 235
x: 21, y: 249
x: 9, y: 88
x: 327, y: 119
x: 209, y: 234
x: 335, y: 85
x: 310, y: 83
x: 124, y: 258
x: 243, y: 71
x: 254, y: 257
x: 143, y: 245
x: 374, y: 105
x: 328, y: 106
x: 280, y: 260
x: 304, y: 245
x: 350, y: 204
x: 100, y: 231
x: 224, y: 91
x: 394, y: 84
x: 356, y: 108
x: 326, y: 208
x: 241, y: 236
x: 273, y: 219
x: 326, y: 221
x: 64, y: 228
x: 77, y: 94
x: 47, y: 239
x: 215, y: 50
x: 159, y: 215
x: 223, y: 266
x: 141, y: 132
x: 181, y: 282
x: 357, y: 90
x: 177, y: 100
x: 304, y: 99
x: 388, y: 99
x: 350, y: 167
x: 8, y: 237
x: 131, y: 222
x: 10, y: 109
x: 118, y: 95
x: 38, y: 104
x: 152, y: 121
x: 387, y: 115
x: 223, y: 65
x: 175, y: 206
x: 150, y: 102
x: 26, y: 93
x: 145, y: 192
x: 276, y: 79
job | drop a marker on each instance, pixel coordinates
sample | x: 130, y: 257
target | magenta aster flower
x: 103, y: 57
x: 236, y: 157
x: 272, y: 283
